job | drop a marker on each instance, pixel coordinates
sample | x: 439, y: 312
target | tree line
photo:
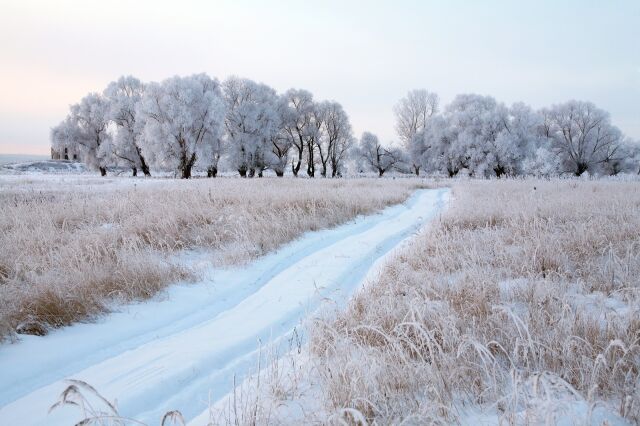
x: 196, y: 121
x: 479, y: 136
x: 184, y: 122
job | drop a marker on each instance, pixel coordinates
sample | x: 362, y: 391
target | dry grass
x: 522, y: 300
x: 70, y: 246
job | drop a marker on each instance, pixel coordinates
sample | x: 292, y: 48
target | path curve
x: 182, y: 351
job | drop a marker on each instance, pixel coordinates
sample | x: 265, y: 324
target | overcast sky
x: 364, y: 54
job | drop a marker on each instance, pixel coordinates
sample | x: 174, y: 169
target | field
x: 8, y: 158
x: 519, y: 306
x: 72, y: 245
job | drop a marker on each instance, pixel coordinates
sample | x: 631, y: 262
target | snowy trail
x: 179, y: 352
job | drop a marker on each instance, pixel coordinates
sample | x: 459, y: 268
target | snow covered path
x: 178, y: 352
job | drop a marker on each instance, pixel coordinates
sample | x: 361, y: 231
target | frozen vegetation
x: 188, y: 346
x: 520, y: 305
x: 73, y: 244
x: 183, y: 124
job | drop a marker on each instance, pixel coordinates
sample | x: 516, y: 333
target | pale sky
x: 364, y: 54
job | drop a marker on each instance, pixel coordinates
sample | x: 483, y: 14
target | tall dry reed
x: 69, y: 246
x: 523, y: 300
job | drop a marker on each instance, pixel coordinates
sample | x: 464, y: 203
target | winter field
x: 519, y: 305
x: 12, y: 159
x: 71, y: 244
x: 299, y: 301
x: 193, y: 338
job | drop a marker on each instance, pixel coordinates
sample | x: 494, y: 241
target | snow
x: 600, y: 307
x: 184, y: 348
x: 45, y: 166
x: 20, y: 158
x: 559, y: 412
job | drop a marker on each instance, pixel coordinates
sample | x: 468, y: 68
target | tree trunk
x: 334, y: 167
x: 212, y: 172
x: 279, y: 173
x: 380, y: 172
x: 187, y: 164
x: 243, y: 172
x: 252, y: 172
x: 581, y: 168
x: 144, y: 166
x: 134, y: 171
x: 143, y: 163
x: 295, y: 168
x: 416, y: 169
x: 103, y: 171
x: 260, y: 173
x: 311, y: 161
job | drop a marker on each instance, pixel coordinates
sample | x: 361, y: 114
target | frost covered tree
x: 211, y: 154
x: 372, y: 155
x: 85, y: 131
x: 518, y: 141
x: 280, y: 142
x: 477, y: 134
x: 63, y: 137
x: 581, y: 135
x: 477, y: 122
x: 634, y: 153
x: 183, y: 121
x: 123, y: 96
x: 623, y: 158
x: 338, y: 138
x: 299, y: 124
x: 438, y: 141
x: 412, y: 115
x: 252, y: 122
x: 316, y: 137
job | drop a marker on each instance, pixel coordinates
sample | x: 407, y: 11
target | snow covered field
x: 73, y: 244
x: 44, y: 166
x: 20, y: 158
x: 520, y: 306
x: 180, y: 350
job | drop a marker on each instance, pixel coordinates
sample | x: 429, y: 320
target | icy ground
x: 44, y: 166
x: 183, y: 349
x: 20, y: 158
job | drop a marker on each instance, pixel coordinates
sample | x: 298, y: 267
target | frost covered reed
x: 521, y: 305
x: 69, y: 246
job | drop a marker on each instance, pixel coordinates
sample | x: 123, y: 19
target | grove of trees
x: 481, y: 137
x: 191, y: 122
x: 197, y: 122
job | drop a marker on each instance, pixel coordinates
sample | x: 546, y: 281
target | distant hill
x: 21, y: 158
x: 46, y: 166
